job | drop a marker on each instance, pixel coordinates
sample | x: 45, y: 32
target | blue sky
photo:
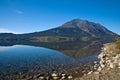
x: 24, y: 16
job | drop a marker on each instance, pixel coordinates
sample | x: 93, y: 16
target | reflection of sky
x: 4, y: 48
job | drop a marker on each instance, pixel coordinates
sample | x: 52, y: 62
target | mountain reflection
x: 72, y: 49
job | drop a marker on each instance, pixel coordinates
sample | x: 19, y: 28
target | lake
x: 20, y: 61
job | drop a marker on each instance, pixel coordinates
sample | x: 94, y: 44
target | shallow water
x: 29, y: 60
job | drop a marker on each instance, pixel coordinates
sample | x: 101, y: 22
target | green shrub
x: 117, y: 42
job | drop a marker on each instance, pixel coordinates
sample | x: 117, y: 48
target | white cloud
x: 3, y: 30
x: 18, y: 11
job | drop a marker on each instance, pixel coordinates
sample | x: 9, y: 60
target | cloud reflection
x: 5, y: 48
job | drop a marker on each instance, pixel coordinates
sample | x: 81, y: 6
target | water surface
x: 30, y: 60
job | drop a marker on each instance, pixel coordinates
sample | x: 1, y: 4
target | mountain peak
x: 77, y: 20
x: 77, y: 23
x: 86, y: 26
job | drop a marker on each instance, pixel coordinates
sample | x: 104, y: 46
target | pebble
x: 70, y: 77
x: 63, y: 74
x: 102, y: 65
x: 119, y: 64
x: 54, y: 75
x: 63, y: 77
x: 55, y: 78
x: 41, y: 77
x: 96, y: 72
x: 111, y: 65
x: 95, y: 62
x: 99, y: 68
x: 90, y: 72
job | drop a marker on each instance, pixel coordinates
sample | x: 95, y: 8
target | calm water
x: 24, y: 59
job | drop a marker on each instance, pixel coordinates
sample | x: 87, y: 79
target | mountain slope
x: 78, y: 30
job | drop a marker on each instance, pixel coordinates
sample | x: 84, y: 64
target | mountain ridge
x: 89, y: 27
x: 77, y: 29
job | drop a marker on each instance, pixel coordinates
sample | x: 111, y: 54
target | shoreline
x: 56, y: 74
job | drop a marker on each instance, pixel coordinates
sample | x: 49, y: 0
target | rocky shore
x: 108, y: 67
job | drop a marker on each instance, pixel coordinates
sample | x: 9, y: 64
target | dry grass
x: 118, y: 44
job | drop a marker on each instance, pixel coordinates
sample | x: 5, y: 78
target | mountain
x: 94, y: 29
x: 77, y: 29
x: 74, y: 37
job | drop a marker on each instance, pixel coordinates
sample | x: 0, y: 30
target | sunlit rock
x: 96, y: 72
x: 111, y: 65
x: 70, y: 77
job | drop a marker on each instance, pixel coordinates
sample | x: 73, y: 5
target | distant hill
x: 80, y: 36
